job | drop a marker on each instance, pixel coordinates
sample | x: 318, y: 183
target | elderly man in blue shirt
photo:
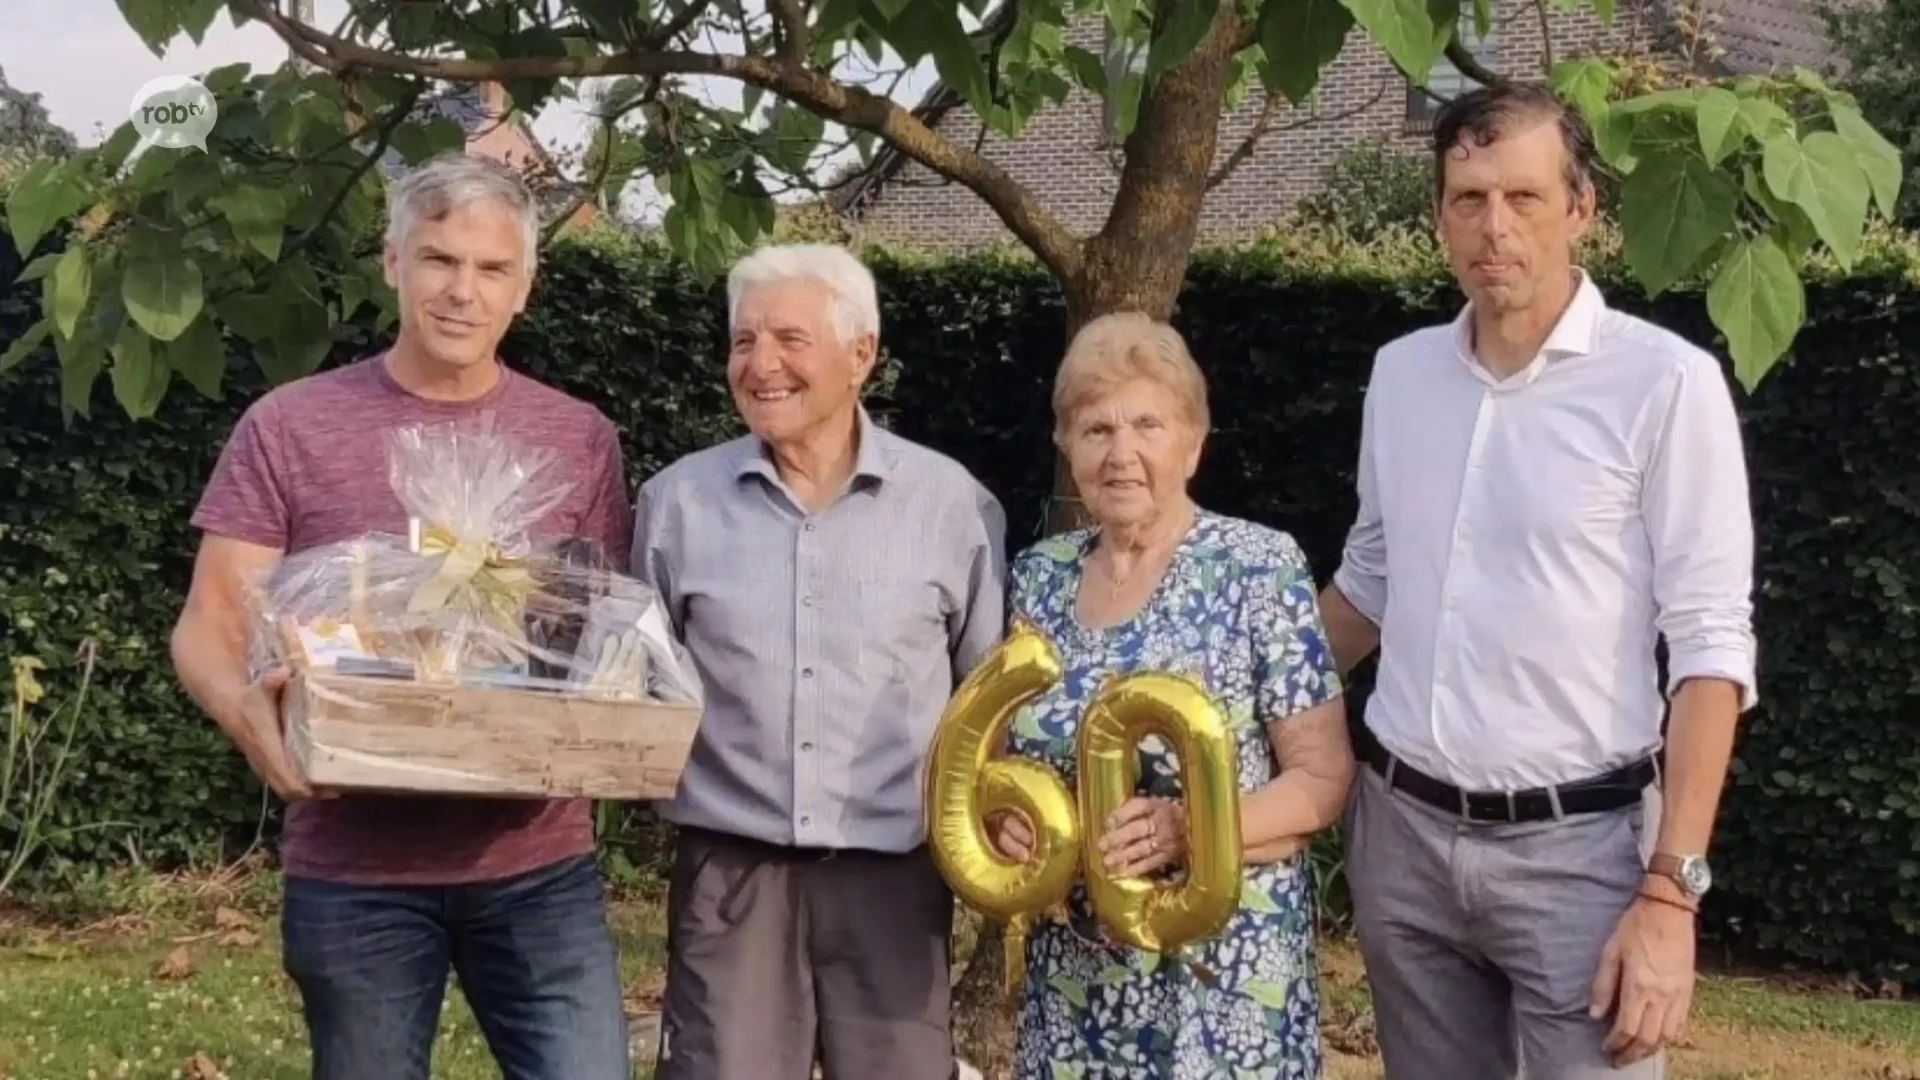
x: 834, y: 582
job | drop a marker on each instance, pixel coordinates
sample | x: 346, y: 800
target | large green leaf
x: 155, y: 21
x: 1793, y: 229
x: 81, y: 362
x: 1718, y: 116
x: 200, y: 356
x: 1405, y: 29
x: 1878, y: 158
x: 140, y: 374
x: 163, y: 294
x: 1673, y: 209
x: 42, y: 195
x: 257, y: 214
x: 418, y: 140
x: 1186, y: 25
x: 35, y: 336
x: 1299, y: 38
x: 958, y: 61
x: 1757, y: 301
x: 1820, y: 175
x: 1586, y: 82
x: 72, y: 283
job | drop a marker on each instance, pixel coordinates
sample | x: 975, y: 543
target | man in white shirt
x: 1546, y: 487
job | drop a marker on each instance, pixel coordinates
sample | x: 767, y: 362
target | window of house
x: 1447, y: 82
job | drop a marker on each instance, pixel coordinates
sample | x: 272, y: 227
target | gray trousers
x: 777, y: 957
x: 1481, y: 940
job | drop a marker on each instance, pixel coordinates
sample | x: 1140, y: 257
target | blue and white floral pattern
x: 1237, y: 610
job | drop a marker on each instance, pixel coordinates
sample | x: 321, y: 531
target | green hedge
x: 1818, y: 838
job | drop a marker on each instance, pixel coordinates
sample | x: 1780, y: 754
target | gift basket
x: 467, y: 656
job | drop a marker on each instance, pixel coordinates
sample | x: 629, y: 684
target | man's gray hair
x: 454, y: 179
x: 854, y: 307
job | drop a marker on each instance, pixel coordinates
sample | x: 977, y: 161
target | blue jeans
x: 534, y: 954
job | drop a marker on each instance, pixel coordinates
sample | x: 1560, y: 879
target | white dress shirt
x: 1521, y: 542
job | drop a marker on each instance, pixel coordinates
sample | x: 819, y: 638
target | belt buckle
x: 1467, y: 810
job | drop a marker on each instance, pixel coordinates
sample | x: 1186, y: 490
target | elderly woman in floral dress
x: 1158, y: 584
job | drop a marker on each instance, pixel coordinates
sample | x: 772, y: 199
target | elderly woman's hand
x: 1144, y: 835
x: 1012, y: 837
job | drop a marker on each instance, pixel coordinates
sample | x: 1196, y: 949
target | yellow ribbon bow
x: 500, y: 583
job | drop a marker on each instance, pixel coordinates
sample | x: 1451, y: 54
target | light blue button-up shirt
x: 829, y: 643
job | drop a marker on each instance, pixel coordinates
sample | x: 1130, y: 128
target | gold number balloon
x: 967, y: 783
x: 1144, y: 914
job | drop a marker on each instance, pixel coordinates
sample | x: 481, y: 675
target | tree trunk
x: 1136, y: 262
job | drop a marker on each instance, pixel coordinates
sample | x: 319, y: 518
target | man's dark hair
x: 1485, y: 114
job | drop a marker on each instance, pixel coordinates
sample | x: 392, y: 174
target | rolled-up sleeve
x: 979, y: 620
x: 1362, y: 574
x: 1700, y: 528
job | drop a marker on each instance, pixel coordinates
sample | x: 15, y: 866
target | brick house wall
x: 1067, y: 158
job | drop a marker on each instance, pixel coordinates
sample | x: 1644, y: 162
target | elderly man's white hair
x: 452, y: 180
x: 854, y: 300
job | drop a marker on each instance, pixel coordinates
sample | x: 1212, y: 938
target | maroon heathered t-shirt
x: 307, y: 465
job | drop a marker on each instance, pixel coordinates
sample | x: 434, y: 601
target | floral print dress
x: 1237, y: 609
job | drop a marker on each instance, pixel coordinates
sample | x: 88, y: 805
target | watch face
x: 1695, y: 875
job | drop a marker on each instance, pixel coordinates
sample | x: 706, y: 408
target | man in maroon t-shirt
x: 386, y: 894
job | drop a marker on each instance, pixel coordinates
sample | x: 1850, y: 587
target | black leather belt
x: 1611, y: 791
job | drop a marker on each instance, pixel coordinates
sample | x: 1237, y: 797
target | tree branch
x: 1169, y: 153
x: 1268, y: 108
x: 1262, y: 127
x: 1546, y: 36
x: 1464, y: 62
x: 796, y: 39
x: 810, y: 88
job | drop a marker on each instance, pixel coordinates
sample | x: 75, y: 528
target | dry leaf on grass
x: 227, y: 918
x: 644, y: 995
x: 239, y: 939
x: 177, y: 965
x: 201, y: 1067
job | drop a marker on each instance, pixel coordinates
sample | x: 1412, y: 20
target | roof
x: 1772, y: 35
x: 1758, y: 35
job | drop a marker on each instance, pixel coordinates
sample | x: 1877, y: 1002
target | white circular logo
x: 174, y: 111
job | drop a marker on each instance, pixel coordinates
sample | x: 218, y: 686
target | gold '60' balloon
x: 1161, y: 918
x: 967, y: 783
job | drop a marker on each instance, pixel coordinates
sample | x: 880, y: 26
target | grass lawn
x: 191, y: 987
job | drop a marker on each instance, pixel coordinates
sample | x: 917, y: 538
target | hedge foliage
x: 1818, y: 852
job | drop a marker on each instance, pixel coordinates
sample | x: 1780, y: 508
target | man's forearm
x: 210, y: 660
x: 1350, y: 635
x: 1706, y: 713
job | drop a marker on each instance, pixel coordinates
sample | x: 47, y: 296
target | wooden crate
x: 359, y: 733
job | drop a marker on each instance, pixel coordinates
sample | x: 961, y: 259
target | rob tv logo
x: 174, y: 112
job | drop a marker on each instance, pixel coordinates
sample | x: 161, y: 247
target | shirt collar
x: 1577, y: 333
x: 873, y: 461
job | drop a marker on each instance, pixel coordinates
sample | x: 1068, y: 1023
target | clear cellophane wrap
x: 468, y: 596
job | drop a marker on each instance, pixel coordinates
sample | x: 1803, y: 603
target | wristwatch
x: 1690, y: 872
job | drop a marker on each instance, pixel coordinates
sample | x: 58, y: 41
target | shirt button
x: 805, y: 820
x: 808, y: 526
x: 806, y: 747
x: 806, y: 601
x: 806, y: 673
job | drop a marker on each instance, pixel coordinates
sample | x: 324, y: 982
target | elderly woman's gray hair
x: 1116, y: 349
x: 455, y: 179
x: 853, y: 299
